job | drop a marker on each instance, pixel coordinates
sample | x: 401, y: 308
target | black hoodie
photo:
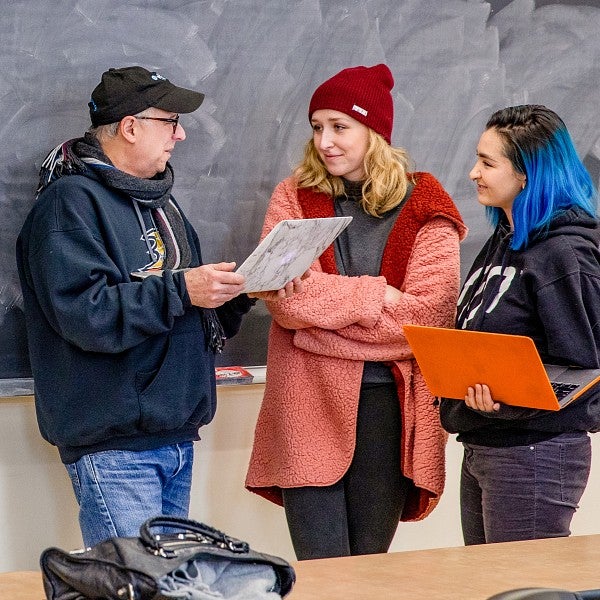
x: 118, y: 363
x: 550, y: 292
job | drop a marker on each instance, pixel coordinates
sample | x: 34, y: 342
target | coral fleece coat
x: 318, y: 343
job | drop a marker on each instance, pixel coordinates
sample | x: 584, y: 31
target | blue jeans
x: 523, y: 492
x: 117, y: 490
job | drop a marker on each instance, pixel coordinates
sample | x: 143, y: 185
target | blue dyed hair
x: 538, y: 144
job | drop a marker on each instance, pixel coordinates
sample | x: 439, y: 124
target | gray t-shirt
x: 359, y: 250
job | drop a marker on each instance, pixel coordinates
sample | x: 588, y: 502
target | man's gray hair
x: 110, y: 129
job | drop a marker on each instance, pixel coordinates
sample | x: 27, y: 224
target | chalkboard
x: 258, y: 62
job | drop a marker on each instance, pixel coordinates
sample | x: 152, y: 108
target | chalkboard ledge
x: 10, y: 388
x: 16, y: 387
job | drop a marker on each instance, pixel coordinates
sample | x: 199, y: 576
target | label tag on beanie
x: 360, y: 110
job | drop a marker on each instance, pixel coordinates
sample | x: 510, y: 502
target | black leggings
x: 359, y: 514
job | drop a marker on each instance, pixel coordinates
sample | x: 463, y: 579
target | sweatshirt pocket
x: 179, y: 393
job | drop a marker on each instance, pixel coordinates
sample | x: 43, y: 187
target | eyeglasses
x: 174, y: 121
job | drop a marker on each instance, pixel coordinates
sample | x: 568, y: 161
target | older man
x: 123, y: 363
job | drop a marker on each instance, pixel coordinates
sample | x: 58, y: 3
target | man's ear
x: 128, y: 127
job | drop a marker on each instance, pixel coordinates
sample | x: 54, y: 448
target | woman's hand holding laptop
x: 479, y: 398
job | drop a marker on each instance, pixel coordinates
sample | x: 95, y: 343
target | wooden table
x: 473, y: 573
x: 21, y: 585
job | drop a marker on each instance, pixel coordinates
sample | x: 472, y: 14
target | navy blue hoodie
x: 118, y: 363
x: 551, y: 293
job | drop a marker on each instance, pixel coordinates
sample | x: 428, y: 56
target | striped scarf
x: 73, y: 157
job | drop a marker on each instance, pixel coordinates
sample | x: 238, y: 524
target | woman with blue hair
x: 524, y: 471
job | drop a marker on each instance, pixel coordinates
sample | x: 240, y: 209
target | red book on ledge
x: 231, y: 375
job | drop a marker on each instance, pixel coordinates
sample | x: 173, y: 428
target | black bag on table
x: 189, y: 561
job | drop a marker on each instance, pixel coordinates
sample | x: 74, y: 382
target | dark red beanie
x: 363, y: 93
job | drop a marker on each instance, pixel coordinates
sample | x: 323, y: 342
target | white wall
x: 37, y: 507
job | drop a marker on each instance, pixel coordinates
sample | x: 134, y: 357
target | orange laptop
x: 451, y: 360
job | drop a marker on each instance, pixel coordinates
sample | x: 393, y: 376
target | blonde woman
x: 348, y: 438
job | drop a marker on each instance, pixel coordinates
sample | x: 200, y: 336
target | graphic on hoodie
x: 474, y: 296
x: 156, y: 249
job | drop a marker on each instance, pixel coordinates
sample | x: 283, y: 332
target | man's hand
x: 293, y: 287
x: 211, y: 286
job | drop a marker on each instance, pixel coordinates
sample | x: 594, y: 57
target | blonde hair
x: 386, y: 169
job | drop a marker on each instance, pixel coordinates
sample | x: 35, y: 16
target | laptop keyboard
x: 562, y: 389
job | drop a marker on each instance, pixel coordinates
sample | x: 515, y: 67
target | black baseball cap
x: 130, y: 90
